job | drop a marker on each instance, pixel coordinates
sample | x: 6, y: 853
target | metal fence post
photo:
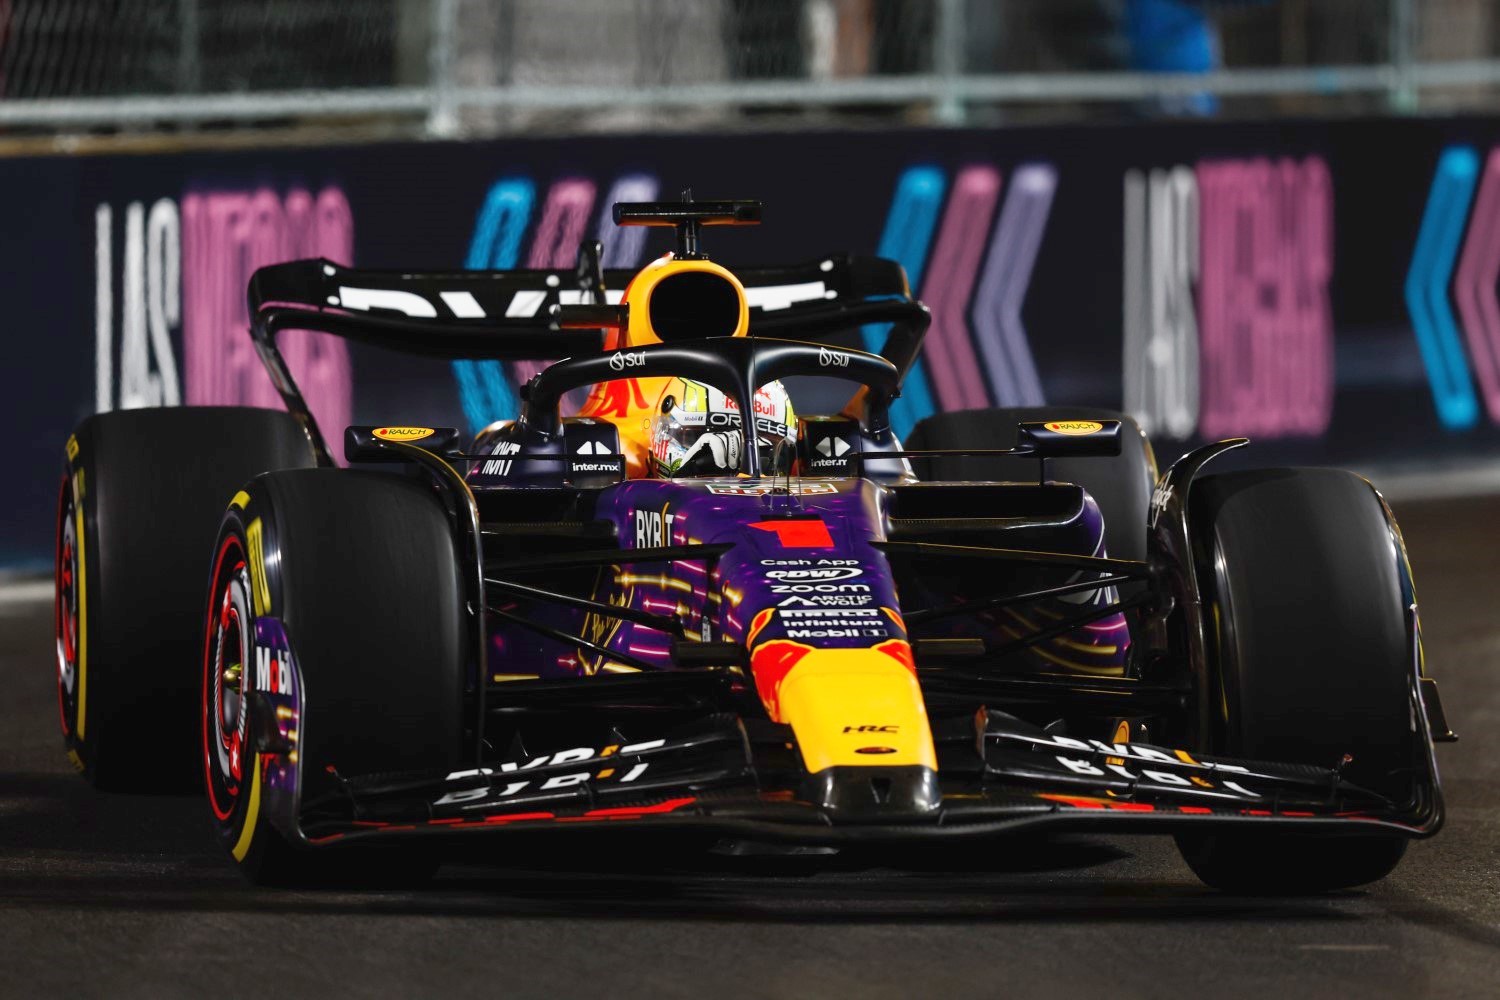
x: 1403, y: 91
x: 948, y: 60
x: 442, y: 109
x: 189, y: 73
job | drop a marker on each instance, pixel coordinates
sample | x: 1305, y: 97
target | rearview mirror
x: 1068, y: 438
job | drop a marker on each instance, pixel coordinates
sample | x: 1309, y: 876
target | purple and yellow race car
x: 689, y: 609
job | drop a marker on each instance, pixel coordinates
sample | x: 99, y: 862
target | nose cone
x: 861, y: 727
x: 875, y: 794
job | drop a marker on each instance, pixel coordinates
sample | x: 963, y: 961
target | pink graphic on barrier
x: 1000, y: 336
x: 1474, y: 286
x: 952, y: 364
x: 623, y: 245
x: 1265, y: 324
x: 565, y: 219
x: 226, y: 235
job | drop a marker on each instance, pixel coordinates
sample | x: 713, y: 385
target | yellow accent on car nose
x: 856, y: 707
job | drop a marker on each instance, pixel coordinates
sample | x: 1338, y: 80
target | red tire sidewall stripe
x: 209, y: 634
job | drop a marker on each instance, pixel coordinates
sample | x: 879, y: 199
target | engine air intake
x: 692, y: 304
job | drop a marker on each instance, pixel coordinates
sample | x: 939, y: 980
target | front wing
x: 740, y: 779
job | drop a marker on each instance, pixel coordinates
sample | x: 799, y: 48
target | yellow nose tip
x: 856, y: 708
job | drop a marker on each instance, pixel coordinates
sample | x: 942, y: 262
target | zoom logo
x: 820, y: 588
x: 625, y: 359
x: 832, y: 359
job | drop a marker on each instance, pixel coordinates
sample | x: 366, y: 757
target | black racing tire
x: 140, y: 501
x: 1306, y: 575
x: 1287, y: 864
x: 1121, y: 486
x: 361, y: 570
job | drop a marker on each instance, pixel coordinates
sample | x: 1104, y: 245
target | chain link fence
x: 99, y: 48
x: 482, y: 67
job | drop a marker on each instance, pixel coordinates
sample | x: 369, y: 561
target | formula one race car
x: 686, y: 609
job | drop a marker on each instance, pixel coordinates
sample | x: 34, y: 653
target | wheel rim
x: 65, y: 607
x: 227, y: 664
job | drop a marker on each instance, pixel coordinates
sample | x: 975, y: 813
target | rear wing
x: 538, y: 314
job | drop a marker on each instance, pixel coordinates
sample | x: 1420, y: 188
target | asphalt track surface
x: 104, y: 895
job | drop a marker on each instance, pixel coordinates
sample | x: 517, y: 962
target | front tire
x: 1305, y: 574
x: 359, y: 572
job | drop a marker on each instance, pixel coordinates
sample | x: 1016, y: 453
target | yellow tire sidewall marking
x: 252, y: 812
x: 254, y: 535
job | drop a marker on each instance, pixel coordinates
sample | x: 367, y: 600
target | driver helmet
x: 696, y: 431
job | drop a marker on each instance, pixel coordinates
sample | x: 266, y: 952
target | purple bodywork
x: 802, y: 567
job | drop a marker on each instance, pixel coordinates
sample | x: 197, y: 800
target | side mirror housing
x: 363, y: 443
x: 1068, y: 438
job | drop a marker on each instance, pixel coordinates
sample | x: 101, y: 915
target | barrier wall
x: 1328, y: 289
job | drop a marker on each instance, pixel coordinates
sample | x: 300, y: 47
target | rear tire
x: 361, y: 571
x: 1120, y: 486
x: 140, y: 501
x: 1307, y: 578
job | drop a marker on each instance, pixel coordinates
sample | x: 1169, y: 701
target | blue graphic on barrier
x: 484, y: 390
x: 1427, y: 287
x: 906, y: 239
